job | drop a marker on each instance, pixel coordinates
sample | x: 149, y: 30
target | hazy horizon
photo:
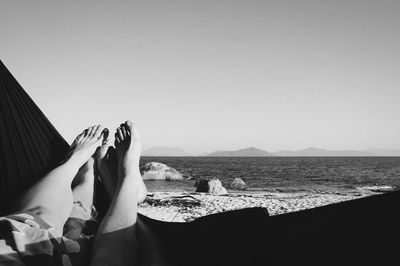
x: 374, y: 152
x: 213, y: 75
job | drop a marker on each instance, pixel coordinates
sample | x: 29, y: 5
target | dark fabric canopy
x: 29, y: 143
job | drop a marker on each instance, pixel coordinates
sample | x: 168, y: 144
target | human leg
x: 51, y: 198
x: 116, y: 240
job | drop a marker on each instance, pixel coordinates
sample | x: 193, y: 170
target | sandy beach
x: 187, y: 206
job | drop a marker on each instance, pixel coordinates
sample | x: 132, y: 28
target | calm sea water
x: 285, y: 174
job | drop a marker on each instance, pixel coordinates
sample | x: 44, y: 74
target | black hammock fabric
x: 29, y: 143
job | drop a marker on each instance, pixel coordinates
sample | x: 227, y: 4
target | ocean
x: 342, y: 175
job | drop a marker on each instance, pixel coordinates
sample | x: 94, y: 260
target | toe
x: 98, y: 131
x: 78, y: 139
x: 117, y: 139
x: 120, y: 135
x: 129, y: 124
x: 105, y: 134
x: 90, y: 131
x: 80, y: 136
x: 123, y: 131
x: 127, y: 130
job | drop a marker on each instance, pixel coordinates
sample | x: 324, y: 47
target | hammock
x: 29, y: 143
x: 358, y: 232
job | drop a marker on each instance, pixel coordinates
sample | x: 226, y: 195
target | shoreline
x: 187, y: 206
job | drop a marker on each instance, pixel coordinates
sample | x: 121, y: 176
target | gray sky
x: 210, y: 75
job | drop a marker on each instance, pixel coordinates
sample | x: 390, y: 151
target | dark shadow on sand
x: 359, y: 232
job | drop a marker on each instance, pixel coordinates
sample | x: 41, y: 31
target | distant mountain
x: 385, y: 152
x: 164, y: 151
x: 320, y: 152
x: 252, y: 151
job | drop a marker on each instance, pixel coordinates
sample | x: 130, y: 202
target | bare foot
x: 128, y: 148
x: 108, y: 171
x: 86, y: 144
x: 108, y: 175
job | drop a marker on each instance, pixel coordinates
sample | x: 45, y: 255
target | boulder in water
x: 160, y: 171
x: 212, y: 186
x: 238, y: 184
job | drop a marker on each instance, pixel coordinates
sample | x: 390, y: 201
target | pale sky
x: 211, y: 75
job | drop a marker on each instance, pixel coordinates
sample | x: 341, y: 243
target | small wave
x: 377, y: 188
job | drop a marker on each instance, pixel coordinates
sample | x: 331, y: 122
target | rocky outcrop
x: 212, y: 186
x: 160, y: 171
x: 238, y: 184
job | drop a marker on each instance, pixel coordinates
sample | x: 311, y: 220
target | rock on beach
x: 160, y: 171
x: 238, y: 184
x: 212, y: 186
